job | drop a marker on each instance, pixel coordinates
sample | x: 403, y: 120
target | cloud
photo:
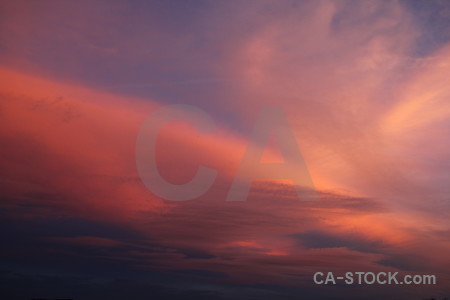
x: 369, y: 113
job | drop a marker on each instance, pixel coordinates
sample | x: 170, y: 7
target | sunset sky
x: 364, y: 86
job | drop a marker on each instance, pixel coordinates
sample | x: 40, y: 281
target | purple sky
x: 363, y: 84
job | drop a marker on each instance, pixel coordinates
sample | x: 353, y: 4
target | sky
x: 363, y: 86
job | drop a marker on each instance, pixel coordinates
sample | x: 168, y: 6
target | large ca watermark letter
x: 272, y: 120
x: 146, y: 153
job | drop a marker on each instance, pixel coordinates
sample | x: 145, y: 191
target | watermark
x: 272, y: 122
x: 389, y: 278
